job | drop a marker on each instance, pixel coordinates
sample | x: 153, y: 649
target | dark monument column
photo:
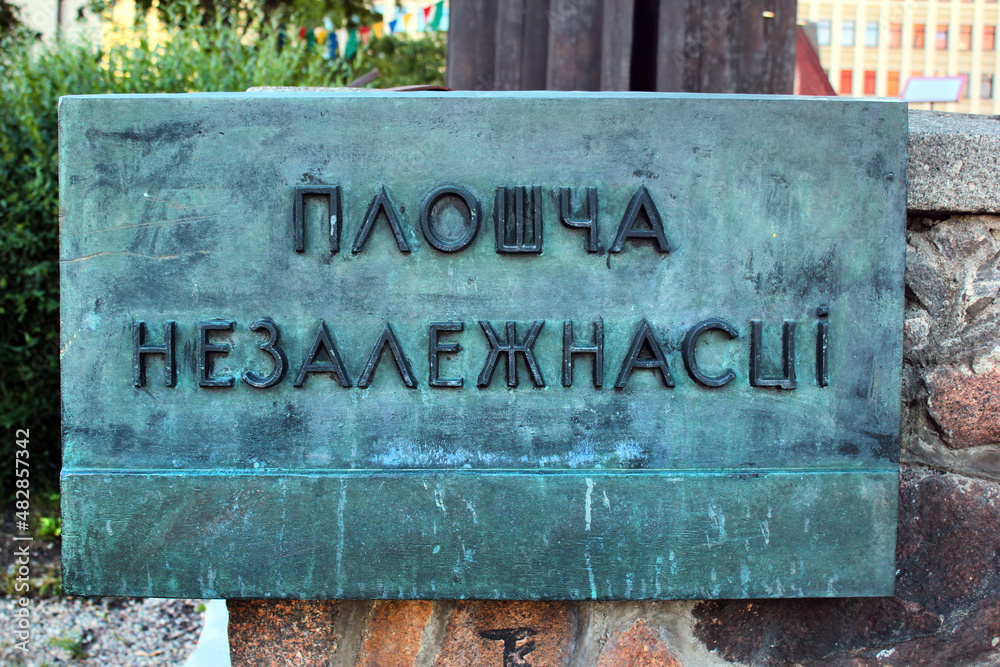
x: 693, y: 46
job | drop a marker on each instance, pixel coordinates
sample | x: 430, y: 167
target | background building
x: 873, y: 48
x: 48, y: 17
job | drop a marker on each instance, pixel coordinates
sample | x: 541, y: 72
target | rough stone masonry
x: 946, y: 608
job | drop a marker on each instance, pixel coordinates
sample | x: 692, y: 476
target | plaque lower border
x: 477, y: 534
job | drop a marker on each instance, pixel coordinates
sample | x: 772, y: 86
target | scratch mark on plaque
x: 718, y: 519
x: 588, y: 500
x: 134, y: 254
x: 590, y: 575
x: 180, y: 221
x: 68, y: 344
x: 209, y: 587
x: 340, y: 536
x: 439, y: 501
x: 607, y: 503
x: 475, y: 517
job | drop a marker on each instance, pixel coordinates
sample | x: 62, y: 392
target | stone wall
x: 946, y: 610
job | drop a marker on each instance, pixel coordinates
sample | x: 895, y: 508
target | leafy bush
x: 195, y: 57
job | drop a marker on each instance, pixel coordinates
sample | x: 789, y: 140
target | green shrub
x: 32, y: 77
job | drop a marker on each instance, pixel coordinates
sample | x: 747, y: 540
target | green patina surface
x: 180, y: 208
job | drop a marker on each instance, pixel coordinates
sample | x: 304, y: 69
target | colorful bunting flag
x: 351, y: 47
x: 342, y: 42
x: 435, y: 22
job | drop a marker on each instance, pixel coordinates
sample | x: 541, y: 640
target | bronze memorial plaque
x: 461, y: 345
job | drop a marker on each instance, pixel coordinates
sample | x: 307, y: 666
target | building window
x: 895, y: 35
x: 892, y: 89
x: 845, y: 82
x: 871, y: 33
x: 869, y: 82
x: 989, y: 38
x: 941, y: 38
x: 823, y: 32
x: 918, y: 35
x: 847, y: 33
x: 965, y: 38
x: 986, y: 87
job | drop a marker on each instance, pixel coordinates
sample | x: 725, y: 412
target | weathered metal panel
x: 778, y: 215
x: 446, y: 535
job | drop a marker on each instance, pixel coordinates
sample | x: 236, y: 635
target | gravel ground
x: 88, y: 631
x: 106, y: 631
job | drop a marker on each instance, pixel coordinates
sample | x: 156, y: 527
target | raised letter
x: 823, y: 347
x: 511, y: 346
x: 641, y: 202
x: 332, y: 194
x: 381, y: 203
x: 571, y: 347
x: 787, y: 381
x: 524, y: 205
x: 589, y: 223
x: 277, y: 354
x: 402, y: 363
x: 205, y: 378
x: 435, y: 348
x: 142, y: 348
x: 645, y: 340
x: 471, y: 221
x: 691, y: 362
x: 322, y: 339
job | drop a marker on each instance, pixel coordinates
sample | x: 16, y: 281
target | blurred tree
x: 10, y: 17
x: 242, y: 13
